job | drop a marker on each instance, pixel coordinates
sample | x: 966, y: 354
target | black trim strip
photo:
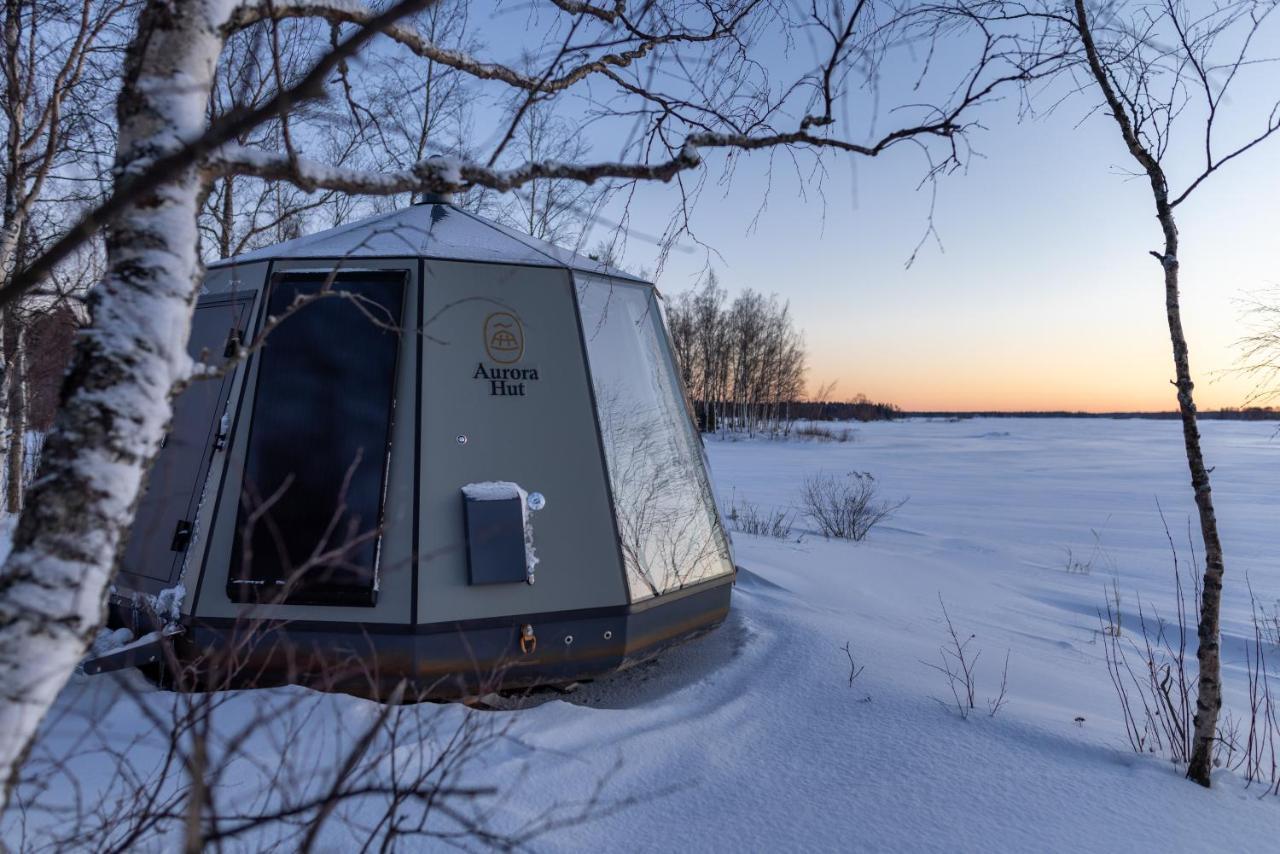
x: 215, y: 300
x: 421, y: 294
x: 477, y: 623
x: 456, y: 662
x: 356, y: 259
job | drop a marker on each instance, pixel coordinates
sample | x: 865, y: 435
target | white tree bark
x: 54, y: 585
x: 16, y: 449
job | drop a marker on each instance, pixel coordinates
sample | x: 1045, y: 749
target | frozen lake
x: 753, y: 739
x: 1024, y: 491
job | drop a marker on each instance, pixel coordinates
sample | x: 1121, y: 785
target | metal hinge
x: 224, y: 427
x: 181, y: 536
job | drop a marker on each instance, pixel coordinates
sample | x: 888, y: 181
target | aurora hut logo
x: 503, y: 337
x: 504, y: 342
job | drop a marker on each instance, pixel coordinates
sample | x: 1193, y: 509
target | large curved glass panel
x: 671, y: 535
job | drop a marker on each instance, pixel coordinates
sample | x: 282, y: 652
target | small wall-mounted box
x: 499, y: 544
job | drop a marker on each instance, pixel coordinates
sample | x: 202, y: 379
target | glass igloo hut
x: 459, y: 456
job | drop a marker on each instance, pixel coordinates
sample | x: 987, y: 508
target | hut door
x: 162, y: 528
x: 308, y: 529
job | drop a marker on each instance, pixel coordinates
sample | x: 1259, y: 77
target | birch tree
x: 1166, y: 75
x: 556, y: 211
x: 242, y: 214
x: 743, y: 365
x: 426, y: 107
x: 715, y: 98
x: 1196, y: 55
x: 51, y: 69
x: 1260, y: 348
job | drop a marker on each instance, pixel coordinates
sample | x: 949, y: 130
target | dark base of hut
x: 442, y: 661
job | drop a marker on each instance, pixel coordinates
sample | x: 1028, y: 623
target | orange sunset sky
x: 1042, y: 295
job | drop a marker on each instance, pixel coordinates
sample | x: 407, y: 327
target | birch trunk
x: 227, y: 220
x: 1209, y: 689
x: 4, y: 385
x: 15, y: 161
x: 1208, y: 652
x: 17, y: 422
x: 115, y: 400
x: 10, y: 65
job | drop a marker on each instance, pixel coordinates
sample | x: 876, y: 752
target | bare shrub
x: 958, y: 665
x: 996, y: 703
x: 212, y: 768
x: 1113, y: 625
x: 1257, y: 759
x: 848, y: 507
x: 1084, y: 564
x: 824, y: 434
x: 1155, y: 693
x: 1154, y: 677
x: 1157, y: 701
x: 1270, y: 623
x: 750, y: 519
x: 855, y: 669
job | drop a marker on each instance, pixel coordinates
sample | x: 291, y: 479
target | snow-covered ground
x: 752, y: 738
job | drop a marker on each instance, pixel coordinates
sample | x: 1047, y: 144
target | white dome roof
x: 440, y: 231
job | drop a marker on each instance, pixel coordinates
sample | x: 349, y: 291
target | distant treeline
x: 858, y: 409
x: 1249, y: 413
x: 742, y: 362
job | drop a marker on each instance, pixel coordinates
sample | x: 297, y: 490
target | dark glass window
x: 311, y: 506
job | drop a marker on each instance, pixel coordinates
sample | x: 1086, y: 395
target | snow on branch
x: 437, y: 174
x: 449, y: 174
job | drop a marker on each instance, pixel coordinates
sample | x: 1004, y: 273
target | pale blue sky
x: 1045, y: 296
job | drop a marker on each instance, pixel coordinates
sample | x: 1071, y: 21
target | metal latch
x: 181, y: 536
x: 528, y: 642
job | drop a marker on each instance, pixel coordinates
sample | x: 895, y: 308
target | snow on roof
x: 440, y: 231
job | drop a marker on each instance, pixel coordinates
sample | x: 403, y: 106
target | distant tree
x: 56, y: 75
x: 560, y: 210
x: 743, y: 364
x: 1260, y: 350
x: 243, y: 213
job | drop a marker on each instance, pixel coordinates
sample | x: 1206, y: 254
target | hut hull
x: 312, y: 511
x: 445, y: 661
